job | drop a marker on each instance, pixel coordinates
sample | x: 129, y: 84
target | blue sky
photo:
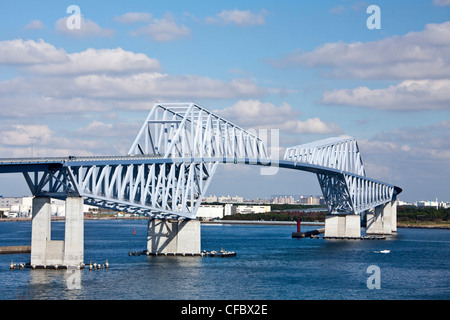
x: 311, y: 69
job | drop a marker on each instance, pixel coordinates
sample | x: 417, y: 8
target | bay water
x: 413, y: 264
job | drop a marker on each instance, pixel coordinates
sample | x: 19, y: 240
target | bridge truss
x: 174, y: 157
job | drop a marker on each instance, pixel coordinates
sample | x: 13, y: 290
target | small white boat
x: 385, y: 251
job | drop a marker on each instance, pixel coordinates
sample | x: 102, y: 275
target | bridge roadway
x: 19, y: 165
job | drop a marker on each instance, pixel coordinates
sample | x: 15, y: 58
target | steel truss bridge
x: 169, y: 167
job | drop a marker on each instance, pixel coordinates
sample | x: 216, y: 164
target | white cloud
x: 16, y: 141
x: 91, y: 61
x: 420, y: 60
x: 34, y: 25
x: 20, y: 52
x: 159, y: 86
x: 163, y: 30
x: 43, y: 58
x: 99, y: 80
x: 416, y: 55
x: 134, y: 17
x: 413, y: 158
x: 408, y: 95
x: 264, y: 115
x: 238, y: 17
x: 88, y: 28
x: 441, y: 3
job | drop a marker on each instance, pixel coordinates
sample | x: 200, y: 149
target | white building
x: 210, y: 199
x: 228, y: 199
x: 16, y: 206
x: 229, y: 209
x: 427, y: 204
x: 284, y: 200
x: 207, y: 211
x: 23, y: 207
x: 252, y: 209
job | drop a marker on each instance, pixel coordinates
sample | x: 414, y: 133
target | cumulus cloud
x: 163, y: 30
x: 16, y: 140
x: 416, y: 55
x: 34, y: 25
x: 410, y: 156
x: 265, y: 115
x: 28, y: 52
x: 238, y: 17
x: 88, y: 28
x: 134, y: 17
x: 420, y: 61
x: 92, y: 61
x: 153, y: 85
x: 408, y: 95
x: 55, y: 82
x: 441, y: 3
x: 43, y: 58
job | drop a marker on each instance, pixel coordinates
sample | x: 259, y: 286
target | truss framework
x: 335, y: 153
x: 348, y: 191
x: 186, y: 130
x: 174, y: 157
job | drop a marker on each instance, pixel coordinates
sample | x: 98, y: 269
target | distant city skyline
x: 83, y: 85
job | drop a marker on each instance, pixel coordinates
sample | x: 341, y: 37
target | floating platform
x: 15, y: 266
x: 358, y: 238
x: 15, y: 249
x: 204, y: 253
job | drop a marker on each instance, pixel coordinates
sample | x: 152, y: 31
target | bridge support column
x: 50, y: 253
x: 382, y: 219
x: 173, y: 236
x: 345, y: 226
x: 40, y: 230
x: 74, y: 233
x: 394, y: 215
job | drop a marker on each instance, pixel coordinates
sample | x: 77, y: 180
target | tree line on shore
x: 404, y: 214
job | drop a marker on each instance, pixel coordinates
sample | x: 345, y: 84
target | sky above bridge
x: 312, y: 69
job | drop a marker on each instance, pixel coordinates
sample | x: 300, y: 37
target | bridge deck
x: 11, y: 165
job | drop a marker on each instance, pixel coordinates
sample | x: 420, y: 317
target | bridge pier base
x: 173, y: 236
x: 62, y: 253
x: 342, y: 226
x: 382, y: 219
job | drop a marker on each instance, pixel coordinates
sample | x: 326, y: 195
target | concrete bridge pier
x: 62, y: 253
x: 342, y: 226
x: 165, y: 236
x: 382, y: 219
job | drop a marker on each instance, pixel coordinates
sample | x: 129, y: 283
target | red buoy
x: 134, y: 230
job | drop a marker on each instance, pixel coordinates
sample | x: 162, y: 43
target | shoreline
x: 424, y: 225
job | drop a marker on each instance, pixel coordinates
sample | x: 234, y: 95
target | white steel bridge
x: 168, y: 169
x: 175, y: 155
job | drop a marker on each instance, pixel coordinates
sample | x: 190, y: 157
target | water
x: 269, y: 265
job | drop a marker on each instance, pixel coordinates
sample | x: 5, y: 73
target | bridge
x: 166, y: 174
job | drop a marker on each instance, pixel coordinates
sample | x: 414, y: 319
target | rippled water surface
x: 270, y: 265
